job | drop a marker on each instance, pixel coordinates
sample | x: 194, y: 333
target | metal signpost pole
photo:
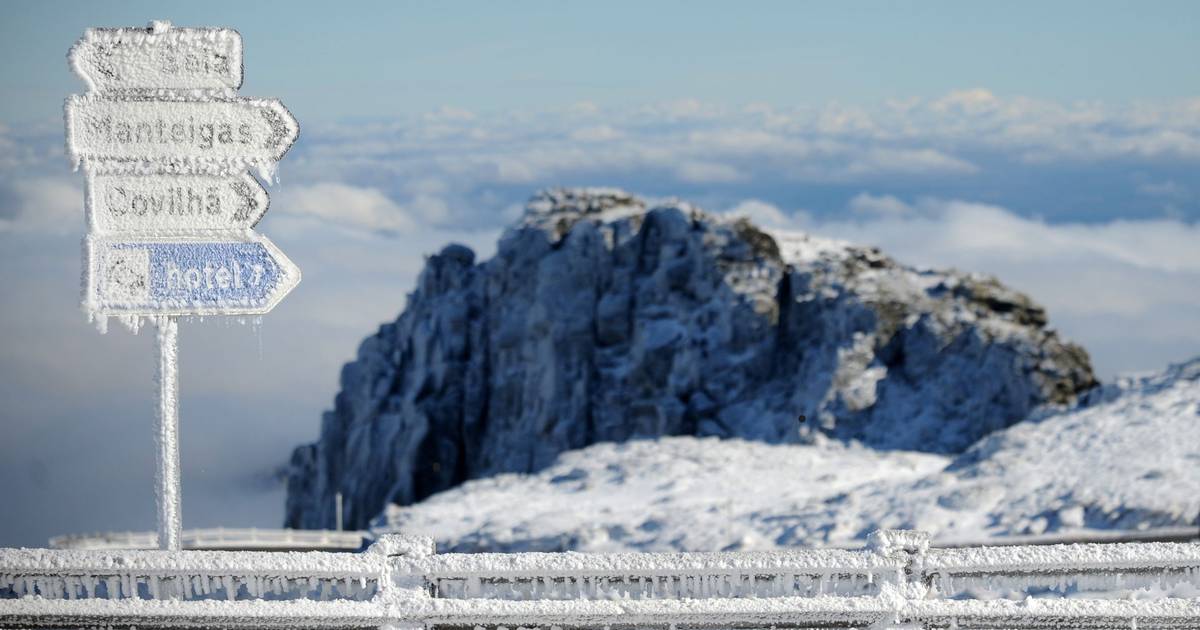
x: 167, y: 478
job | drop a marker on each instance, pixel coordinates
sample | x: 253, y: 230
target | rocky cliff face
x: 600, y: 320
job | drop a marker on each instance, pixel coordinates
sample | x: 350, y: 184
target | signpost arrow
x: 213, y: 135
x: 238, y: 275
x: 158, y: 57
x: 156, y: 204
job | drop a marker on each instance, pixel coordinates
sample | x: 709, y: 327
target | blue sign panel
x: 190, y: 277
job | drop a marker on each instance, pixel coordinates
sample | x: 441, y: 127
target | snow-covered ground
x: 1130, y: 459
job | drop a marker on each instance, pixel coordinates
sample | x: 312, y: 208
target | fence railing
x: 221, y: 538
x: 400, y: 582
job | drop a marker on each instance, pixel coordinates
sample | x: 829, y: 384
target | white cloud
x: 763, y: 213
x: 363, y: 208
x: 597, y: 133
x: 708, y: 172
x: 583, y: 108
x: 878, y: 205
x: 909, y: 161
x: 44, y: 204
x: 972, y: 101
x: 682, y: 109
x: 961, y: 232
x: 448, y: 113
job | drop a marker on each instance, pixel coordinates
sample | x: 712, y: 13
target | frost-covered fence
x: 188, y: 575
x: 221, y: 538
x: 898, y: 581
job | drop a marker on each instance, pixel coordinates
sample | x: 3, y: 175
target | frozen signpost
x: 167, y: 147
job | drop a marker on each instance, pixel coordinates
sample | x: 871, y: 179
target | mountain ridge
x: 600, y: 319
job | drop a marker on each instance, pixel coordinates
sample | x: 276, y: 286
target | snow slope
x: 1130, y: 458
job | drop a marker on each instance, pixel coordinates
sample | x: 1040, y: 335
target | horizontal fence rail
x: 221, y: 538
x: 567, y: 576
x: 188, y: 575
x: 1153, y: 534
x: 1067, y: 569
x: 399, y: 582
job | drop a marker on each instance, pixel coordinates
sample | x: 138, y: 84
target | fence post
x: 399, y: 583
x: 909, y: 546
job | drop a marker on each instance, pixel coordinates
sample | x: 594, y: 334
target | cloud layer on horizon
x: 1083, y: 162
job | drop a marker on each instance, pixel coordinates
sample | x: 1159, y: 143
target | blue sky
x: 376, y: 59
x: 1054, y: 145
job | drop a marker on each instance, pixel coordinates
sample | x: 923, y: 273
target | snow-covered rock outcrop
x: 1127, y: 459
x: 599, y: 320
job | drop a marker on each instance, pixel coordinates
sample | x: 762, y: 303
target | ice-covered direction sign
x: 150, y: 204
x: 177, y: 277
x: 209, y: 134
x: 169, y: 151
x: 159, y: 58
